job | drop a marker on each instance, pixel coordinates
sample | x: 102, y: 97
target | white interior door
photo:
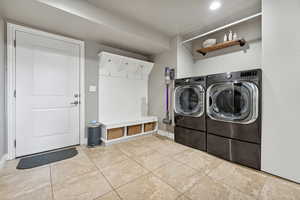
x: 47, y: 83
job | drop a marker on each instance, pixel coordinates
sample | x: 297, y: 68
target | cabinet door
x: 244, y: 153
x: 191, y: 138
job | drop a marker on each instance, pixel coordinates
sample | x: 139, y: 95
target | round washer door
x: 235, y: 102
x: 189, y: 100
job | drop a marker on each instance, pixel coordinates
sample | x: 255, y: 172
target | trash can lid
x: 94, y: 124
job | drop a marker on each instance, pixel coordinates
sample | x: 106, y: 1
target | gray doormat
x: 46, y: 158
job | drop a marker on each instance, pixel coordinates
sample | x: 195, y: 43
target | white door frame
x: 11, y: 80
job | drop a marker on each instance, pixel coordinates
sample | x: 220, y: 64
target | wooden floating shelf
x: 222, y: 45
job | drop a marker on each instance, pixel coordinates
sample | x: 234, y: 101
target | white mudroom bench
x: 121, y: 130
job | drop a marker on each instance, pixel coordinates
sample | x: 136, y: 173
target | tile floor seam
x: 113, y: 189
x: 101, y: 169
x: 165, y: 164
x: 197, y: 168
x: 130, y: 158
x: 180, y: 193
x: 172, y: 155
x: 188, y: 165
x: 191, y: 187
x: 122, y: 151
x: 155, y: 168
x: 177, y: 162
x: 118, y: 194
x: 151, y: 172
x: 24, y: 171
x: 184, y: 197
x: 118, y: 187
x: 51, y: 182
x: 175, y: 154
x: 106, y: 194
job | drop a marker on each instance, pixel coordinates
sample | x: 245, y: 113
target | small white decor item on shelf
x: 225, y: 38
x: 235, y: 36
x: 230, y: 35
x: 209, y: 43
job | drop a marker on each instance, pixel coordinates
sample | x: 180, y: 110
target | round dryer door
x: 233, y: 102
x: 189, y: 100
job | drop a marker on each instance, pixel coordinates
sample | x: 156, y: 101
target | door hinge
x: 15, y: 43
x: 15, y: 93
x: 15, y: 143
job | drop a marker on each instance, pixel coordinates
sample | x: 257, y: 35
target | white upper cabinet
x: 121, y: 66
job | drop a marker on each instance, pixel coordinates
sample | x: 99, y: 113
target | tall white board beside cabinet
x: 123, y: 97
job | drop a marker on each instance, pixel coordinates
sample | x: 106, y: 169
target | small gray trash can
x: 94, y: 134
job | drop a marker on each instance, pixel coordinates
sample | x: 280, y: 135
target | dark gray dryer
x: 234, y: 117
x: 189, y: 106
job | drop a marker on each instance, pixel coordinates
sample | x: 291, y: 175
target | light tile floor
x: 149, y: 167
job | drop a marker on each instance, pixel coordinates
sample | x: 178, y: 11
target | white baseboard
x: 3, y: 160
x: 167, y: 134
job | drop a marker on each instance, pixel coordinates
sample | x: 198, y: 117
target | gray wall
x: 91, y: 73
x: 234, y: 61
x: 157, y: 84
x: 2, y: 92
x: 281, y: 97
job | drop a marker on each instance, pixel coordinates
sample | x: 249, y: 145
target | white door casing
x: 48, y: 74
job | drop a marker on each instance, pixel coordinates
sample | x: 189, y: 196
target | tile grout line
x: 132, y: 159
x: 132, y: 180
x: 151, y: 172
x: 51, y: 182
x: 184, y: 197
x: 205, y: 173
x: 113, y: 189
x: 180, y: 193
x: 181, y: 163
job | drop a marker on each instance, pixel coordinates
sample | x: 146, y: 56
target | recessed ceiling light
x: 215, y: 5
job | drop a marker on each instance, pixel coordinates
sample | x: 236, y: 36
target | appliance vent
x: 248, y: 73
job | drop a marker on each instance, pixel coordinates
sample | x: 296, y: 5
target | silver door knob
x: 75, y: 103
